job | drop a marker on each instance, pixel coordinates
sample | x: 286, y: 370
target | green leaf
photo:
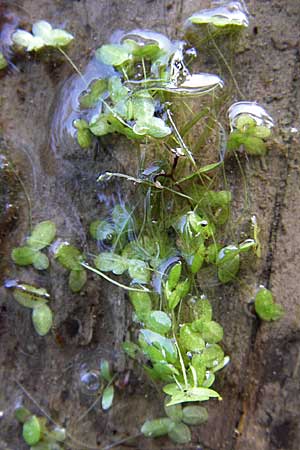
x: 113, y: 54
x: 159, y: 322
x: 77, y: 280
x: 161, y: 343
x: 23, y: 256
x: 58, y: 434
x: 84, y: 138
x: 111, y: 262
x: 200, y: 368
x: 222, y: 16
x: 60, y: 38
x: 228, y: 270
x: 180, y: 434
x: 80, y: 124
x: 172, y: 389
x: 164, y: 371
x: 53, y: 37
x: 212, y: 332
x: 42, y: 319
x: 194, y: 415
x: 122, y: 219
x: 244, y: 121
x: 174, y: 412
x: 30, y: 296
x: 42, y: 29
x: 32, y: 431
x: 174, y: 275
x: 202, y: 308
x: 254, y: 146
x: 107, y: 397
x: 212, y: 355
x: 262, y: 132
x: 42, y: 235
x: 24, y: 39
x: 154, y: 354
x: 152, y: 126
x: 221, y: 365
x: 190, y: 340
x: 118, y: 92
x: 141, y: 301
x: 40, y: 261
x: 209, y: 379
x: 198, y: 259
x: 157, y: 427
x: 22, y: 414
x: 105, y: 370
x: 130, y: 348
x: 101, y: 230
x: 69, y: 257
x: 247, y: 245
x: 265, y: 306
x: 96, y: 90
x: 143, y: 106
x: 178, y: 294
x: 192, y: 395
x: 138, y: 271
x: 102, y: 125
x: 3, y: 62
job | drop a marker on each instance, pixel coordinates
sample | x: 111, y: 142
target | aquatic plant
x: 164, y: 249
x: 43, y: 35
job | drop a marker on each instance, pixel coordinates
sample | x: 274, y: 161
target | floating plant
x: 233, y: 14
x: 43, y: 35
x: 250, y: 127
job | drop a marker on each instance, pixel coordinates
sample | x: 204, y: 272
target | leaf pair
x: 36, y: 299
x: 108, y: 392
x: 176, y: 423
x: 36, y: 433
x: 41, y: 237
x: 111, y: 262
x: 176, y: 290
x: 71, y: 258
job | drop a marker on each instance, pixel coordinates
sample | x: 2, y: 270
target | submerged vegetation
x: 177, y: 237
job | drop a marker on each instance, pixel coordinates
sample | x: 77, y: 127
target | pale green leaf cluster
x: 43, y: 35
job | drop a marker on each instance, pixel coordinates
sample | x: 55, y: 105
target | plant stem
x: 111, y: 280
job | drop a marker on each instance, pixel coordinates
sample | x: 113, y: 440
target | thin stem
x: 111, y: 280
x: 73, y: 65
x: 183, y: 145
x: 227, y: 67
x: 181, y: 363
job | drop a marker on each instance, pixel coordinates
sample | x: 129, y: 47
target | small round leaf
x: 32, y: 431
x: 42, y: 318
